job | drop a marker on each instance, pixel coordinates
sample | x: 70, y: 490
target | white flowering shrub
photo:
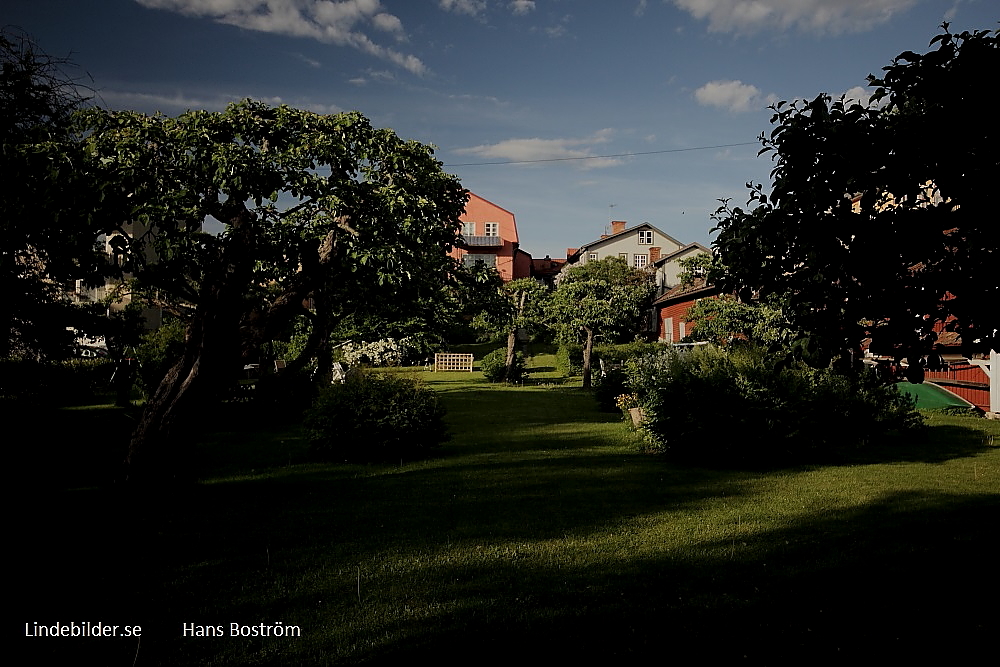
x: 386, y: 352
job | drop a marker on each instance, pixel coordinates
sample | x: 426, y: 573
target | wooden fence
x: 448, y: 361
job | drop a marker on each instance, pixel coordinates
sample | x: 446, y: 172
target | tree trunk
x: 512, y: 339
x: 211, y: 357
x: 511, y: 343
x: 588, y: 347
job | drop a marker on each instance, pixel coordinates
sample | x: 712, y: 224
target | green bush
x: 494, y: 365
x: 569, y: 358
x: 56, y: 382
x: 159, y: 351
x: 623, y: 352
x: 375, y: 417
x: 608, y: 387
x: 738, y: 406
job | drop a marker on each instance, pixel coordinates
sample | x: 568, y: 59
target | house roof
x: 696, y: 290
x: 666, y: 258
x: 611, y: 237
x: 484, y: 199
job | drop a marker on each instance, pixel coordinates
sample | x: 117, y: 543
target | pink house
x: 489, y: 235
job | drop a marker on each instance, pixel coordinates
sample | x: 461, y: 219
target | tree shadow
x: 894, y: 577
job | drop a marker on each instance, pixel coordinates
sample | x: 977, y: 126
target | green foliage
x: 66, y: 382
x: 608, y: 387
x: 727, y: 319
x: 494, y: 366
x: 604, y: 297
x: 622, y: 352
x: 375, y: 417
x: 737, y: 406
x: 922, y: 249
x: 159, y: 351
x: 614, y: 381
x: 569, y: 358
x: 45, y: 241
x: 697, y: 266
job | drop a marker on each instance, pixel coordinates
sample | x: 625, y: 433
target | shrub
x: 737, y: 406
x: 159, y: 351
x: 375, y: 417
x: 57, y: 382
x: 569, y: 358
x: 608, y: 387
x: 623, y: 352
x: 494, y: 366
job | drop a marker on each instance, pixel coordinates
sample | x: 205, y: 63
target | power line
x: 599, y: 157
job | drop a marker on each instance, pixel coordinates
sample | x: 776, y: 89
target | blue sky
x: 675, y: 90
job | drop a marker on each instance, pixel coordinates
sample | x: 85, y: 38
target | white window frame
x: 645, y: 237
x: 468, y: 229
x: 492, y: 229
x: 470, y: 259
x: 592, y: 257
x: 640, y: 261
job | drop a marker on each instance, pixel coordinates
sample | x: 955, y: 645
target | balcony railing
x: 483, y: 241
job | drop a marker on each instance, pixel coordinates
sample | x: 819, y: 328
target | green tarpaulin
x: 931, y: 397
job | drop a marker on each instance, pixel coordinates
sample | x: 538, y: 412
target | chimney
x: 617, y: 226
x: 654, y: 254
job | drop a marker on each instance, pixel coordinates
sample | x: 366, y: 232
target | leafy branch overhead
x: 877, y: 221
x: 312, y: 207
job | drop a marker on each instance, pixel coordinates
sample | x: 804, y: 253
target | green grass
x: 538, y: 531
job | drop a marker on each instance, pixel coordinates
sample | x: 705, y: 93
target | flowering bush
x: 386, y: 352
x: 626, y: 402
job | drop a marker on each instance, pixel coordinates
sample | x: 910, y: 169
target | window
x: 624, y: 256
x: 646, y: 237
x: 640, y: 261
x: 471, y: 260
x: 492, y: 229
x: 592, y: 257
x: 468, y: 229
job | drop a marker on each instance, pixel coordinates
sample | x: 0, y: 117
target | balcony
x: 483, y: 241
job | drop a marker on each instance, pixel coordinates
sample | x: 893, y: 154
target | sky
x: 568, y: 113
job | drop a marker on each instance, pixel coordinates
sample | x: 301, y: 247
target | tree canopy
x: 42, y: 245
x: 319, y: 209
x: 603, y: 297
x: 877, y: 220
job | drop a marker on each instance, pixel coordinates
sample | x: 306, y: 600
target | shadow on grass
x: 522, y: 539
x: 906, y: 577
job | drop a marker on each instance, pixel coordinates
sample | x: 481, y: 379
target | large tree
x: 324, y: 208
x: 602, y: 297
x: 42, y: 246
x: 878, y: 220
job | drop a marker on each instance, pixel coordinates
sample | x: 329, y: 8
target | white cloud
x: 735, y: 96
x: 522, y: 6
x: 332, y: 21
x: 537, y: 150
x: 820, y: 16
x: 176, y: 103
x: 470, y: 7
x: 858, y: 94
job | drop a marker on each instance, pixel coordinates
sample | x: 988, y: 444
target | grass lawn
x: 540, y: 530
